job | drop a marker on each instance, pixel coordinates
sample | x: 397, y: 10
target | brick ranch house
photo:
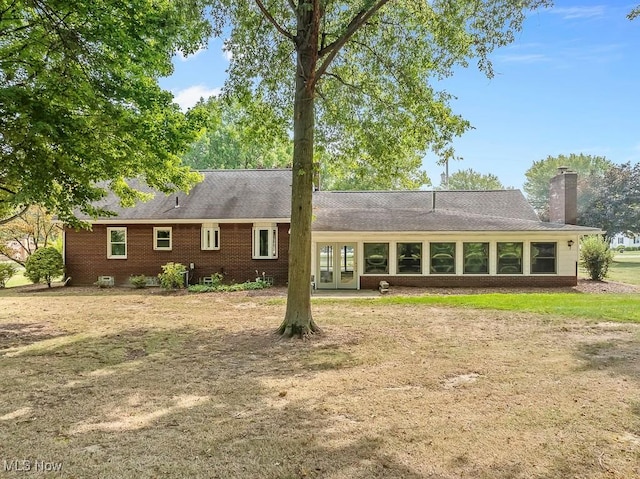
x: 236, y: 222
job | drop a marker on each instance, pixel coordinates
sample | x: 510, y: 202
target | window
x: 409, y: 258
x: 443, y: 258
x: 376, y: 258
x: 210, y: 237
x: 509, y: 258
x: 117, y: 243
x: 265, y: 242
x: 476, y: 258
x: 636, y: 239
x: 162, y: 238
x: 543, y: 257
x: 620, y: 239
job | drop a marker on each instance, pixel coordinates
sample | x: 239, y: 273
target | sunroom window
x: 443, y: 258
x: 409, y: 258
x: 476, y: 258
x: 376, y: 258
x: 543, y: 258
x: 509, y: 258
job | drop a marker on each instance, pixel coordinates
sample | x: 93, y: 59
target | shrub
x: 227, y: 288
x: 595, y: 256
x: 172, y: 276
x: 620, y: 248
x: 7, y: 270
x: 139, y: 281
x: 44, y: 265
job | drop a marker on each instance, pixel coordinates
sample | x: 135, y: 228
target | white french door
x: 337, y: 267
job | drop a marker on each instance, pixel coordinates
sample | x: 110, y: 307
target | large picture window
x: 117, y: 243
x: 376, y: 258
x: 443, y: 258
x: 476, y: 258
x: 265, y: 242
x: 210, y: 237
x: 409, y: 258
x: 543, y: 258
x: 162, y: 238
x: 509, y: 258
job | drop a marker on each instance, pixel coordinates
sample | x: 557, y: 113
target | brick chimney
x: 563, y: 197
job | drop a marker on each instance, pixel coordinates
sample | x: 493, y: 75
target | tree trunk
x: 298, y: 320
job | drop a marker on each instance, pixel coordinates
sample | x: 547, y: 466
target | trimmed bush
x: 172, y: 276
x: 595, y: 256
x: 7, y: 270
x: 139, y: 281
x: 44, y: 265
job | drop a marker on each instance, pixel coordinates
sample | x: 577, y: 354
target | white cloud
x: 189, y: 96
x: 191, y: 56
x: 569, y: 13
x: 227, y: 54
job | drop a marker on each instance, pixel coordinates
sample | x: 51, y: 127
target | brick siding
x: 468, y: 281
x: 86, y: 254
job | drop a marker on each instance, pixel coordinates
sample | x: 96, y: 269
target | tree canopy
x: 240, y: 135
x: 356, y: 76
x: 538, y: 177
x: 80, y: 102
x: 471, y: 180
x: 612, y: 201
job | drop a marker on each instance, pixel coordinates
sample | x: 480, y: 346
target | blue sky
x: 570, y: 83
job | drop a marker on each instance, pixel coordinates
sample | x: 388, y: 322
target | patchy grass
x: 626, y: 268
x: 141, y: 384
x: 607, y: 307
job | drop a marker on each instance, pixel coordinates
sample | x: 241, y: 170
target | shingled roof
x: 227, y: 195
x: 499, y: 210
x: 222, y: 195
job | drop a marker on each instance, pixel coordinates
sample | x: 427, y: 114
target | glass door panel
x: 347, y: 266
x: 326, y: 266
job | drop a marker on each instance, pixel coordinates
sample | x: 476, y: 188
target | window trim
x: 156, y: 230
x: 272, y: 241
x: 110, y: 254
x: 214, y: 228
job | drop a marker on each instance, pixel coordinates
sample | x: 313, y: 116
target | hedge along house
x: 237, y: 222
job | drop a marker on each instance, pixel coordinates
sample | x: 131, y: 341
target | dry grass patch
x: 133, y: 384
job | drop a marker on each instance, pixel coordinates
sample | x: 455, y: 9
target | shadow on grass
x: 618, y: 356
x: 194, y: 403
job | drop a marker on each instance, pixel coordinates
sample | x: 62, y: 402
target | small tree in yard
x: 44, y: 265
x: 7, y: 270
x: 595, y: 257
x: 172, y: 276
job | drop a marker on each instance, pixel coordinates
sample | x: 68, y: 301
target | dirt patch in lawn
x: 134, y: 384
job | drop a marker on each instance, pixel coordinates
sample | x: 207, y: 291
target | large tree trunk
x: 298, y: 320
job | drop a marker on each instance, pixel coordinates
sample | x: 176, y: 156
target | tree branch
x: 13, y: 217
x: 273, y: 21
x: 334, y: 47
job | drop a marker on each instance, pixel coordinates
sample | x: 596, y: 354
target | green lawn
x: 600, y: 307
x: 17, y: 279
x: 626, y: 268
